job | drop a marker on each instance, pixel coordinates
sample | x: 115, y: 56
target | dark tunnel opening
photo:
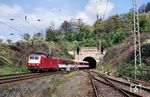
x: 92, y: 62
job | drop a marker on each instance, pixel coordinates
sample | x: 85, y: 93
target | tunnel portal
x: 92, y: 62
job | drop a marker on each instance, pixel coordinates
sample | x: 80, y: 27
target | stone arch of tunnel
x: 92, y: 62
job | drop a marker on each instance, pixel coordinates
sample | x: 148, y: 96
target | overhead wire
x: 16, y: 29
x: 99, y: 3
x: 105, y: 9
x: 26, y: 20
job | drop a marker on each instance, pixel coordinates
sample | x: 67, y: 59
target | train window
x: 31, y: 57
x: 36, y: 58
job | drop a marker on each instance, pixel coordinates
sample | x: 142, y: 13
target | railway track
x: 24, y: 76
x: 13, y: 74
x: 137, y: 81
x: 108, y: 87
x: 126, y: 84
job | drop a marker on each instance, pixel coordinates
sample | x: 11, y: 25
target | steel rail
x: 17, y: 76
x: 121, y: 82
x: 20, y: 78
x: 7, y: 75
x: 93, y: 85
x: 123, y: 91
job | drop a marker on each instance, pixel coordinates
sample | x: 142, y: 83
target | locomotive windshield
x: 34, y: 57
x: 31, y: 57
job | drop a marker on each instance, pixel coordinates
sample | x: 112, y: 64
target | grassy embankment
x: 13, y: 57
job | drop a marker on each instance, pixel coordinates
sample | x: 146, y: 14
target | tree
x: 142, y: 8
x: 98, y: 24
x: 147, y: 8
x: 115, y: 23
x: 66, y: 26
x: 147, y: 28
x: 1, y: 40
x: 89, y: 43
x: 119, y: 35
x: 52, y: 35
x: 9, y: 41
x: 26, y: 36
x: 38, y: 36
x: 70, y: 36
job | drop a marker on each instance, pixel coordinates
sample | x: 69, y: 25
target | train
x: 40, y: 61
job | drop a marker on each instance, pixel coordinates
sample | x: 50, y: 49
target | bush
x: 126, y: 69
x: 22, y: 66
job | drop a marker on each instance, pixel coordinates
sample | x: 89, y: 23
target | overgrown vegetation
x: 123, y: 62
x: 110, y: 32
x: 127, y: 69
x: 72, y: 34
x: 13, y: 57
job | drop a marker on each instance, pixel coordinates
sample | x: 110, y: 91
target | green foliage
x: 144, y: 22
x: 26, y: 36
x: 66, y: 26
x: 147, y: 27
x: 9, y: 41
x: 70, y: 36
x: 144, y: 8
x: 119, y: 35
x: 5, y: 61
x: 7, y: 70
x: 13, y: 56
x: 72, y: 45
x: 89, y: 43
x: 38, y: 36
x: 127, y: 69
x: 111, y: 31
x: 52, y: 35
x: 107, y: 68
x: 22, y: 66
x: 147, y: 8
x: 5, y: 58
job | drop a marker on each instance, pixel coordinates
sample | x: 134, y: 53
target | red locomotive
x: 43, y: 61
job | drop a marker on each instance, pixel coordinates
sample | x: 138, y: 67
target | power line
x: 26, y: 20
x: 10, y: 26
x: 99, y: 3
x: 105, y: 9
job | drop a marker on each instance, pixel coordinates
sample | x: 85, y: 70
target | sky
x: 26, y: 13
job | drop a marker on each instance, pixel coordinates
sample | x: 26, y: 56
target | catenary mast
x: 137, y: 44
